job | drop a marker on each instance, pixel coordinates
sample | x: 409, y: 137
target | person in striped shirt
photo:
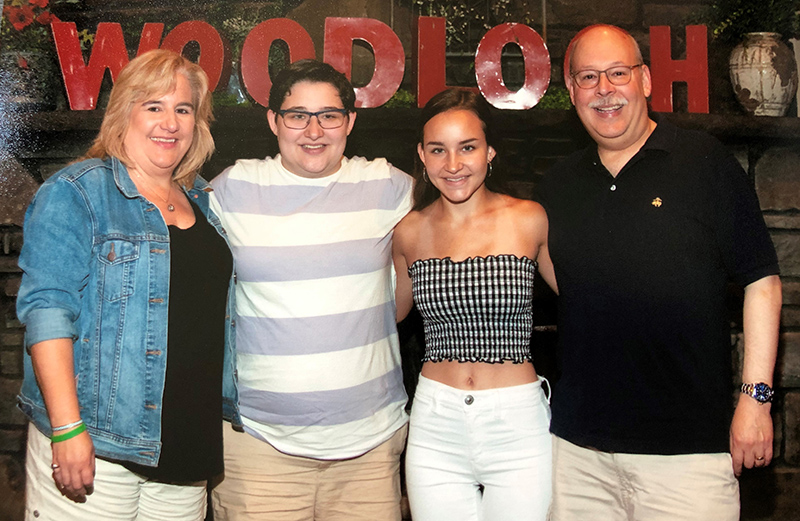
x: 320, y: 413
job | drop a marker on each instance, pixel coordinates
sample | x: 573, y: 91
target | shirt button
x: 613, y: 188
x: 469, y: 399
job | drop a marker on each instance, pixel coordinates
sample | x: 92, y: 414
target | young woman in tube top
x: 478, y: 444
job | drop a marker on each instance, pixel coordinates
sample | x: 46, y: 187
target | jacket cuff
x: 47, y: 324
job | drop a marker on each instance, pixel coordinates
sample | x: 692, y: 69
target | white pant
x: 479, y: 455
x: 119, y: 494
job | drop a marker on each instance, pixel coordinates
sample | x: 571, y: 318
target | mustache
x: 608, y: 101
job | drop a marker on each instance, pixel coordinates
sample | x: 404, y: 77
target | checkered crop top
x: 476, y: 310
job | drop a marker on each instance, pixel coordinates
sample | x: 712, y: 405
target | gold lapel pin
x: 657, y: 202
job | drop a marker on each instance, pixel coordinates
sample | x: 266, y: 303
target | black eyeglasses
x: 300, y: 119
x: 619, y: 75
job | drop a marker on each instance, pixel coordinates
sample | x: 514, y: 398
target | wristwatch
x: 760, y: 392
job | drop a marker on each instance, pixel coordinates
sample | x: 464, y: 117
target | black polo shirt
x: 643, y: 261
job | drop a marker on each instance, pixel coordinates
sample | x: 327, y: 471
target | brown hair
x: 455, y: 99
x: 150, y: 75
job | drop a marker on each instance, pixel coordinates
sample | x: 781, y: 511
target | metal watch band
x: 760, y: 392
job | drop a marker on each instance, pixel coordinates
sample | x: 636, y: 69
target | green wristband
x: 67, y: 435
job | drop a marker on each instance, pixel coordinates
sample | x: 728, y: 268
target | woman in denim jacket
x: 125, y: 412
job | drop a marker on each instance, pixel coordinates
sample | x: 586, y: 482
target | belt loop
x: 549, y: 388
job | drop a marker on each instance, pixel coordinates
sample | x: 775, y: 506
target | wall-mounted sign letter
x: 212, y: 50
x: 489, y: 73
x: 386, y: 47
x: 83, y: 81
x: 429, y: 51
x: 693, y: 70
x: 255, y: 53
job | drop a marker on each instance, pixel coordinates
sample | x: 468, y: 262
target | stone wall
x: 12, y: 422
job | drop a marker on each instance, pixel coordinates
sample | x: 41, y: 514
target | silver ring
x: 55, y: 466
x: 760, y: 458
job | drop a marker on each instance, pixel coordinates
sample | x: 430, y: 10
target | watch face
x: 762, y: 392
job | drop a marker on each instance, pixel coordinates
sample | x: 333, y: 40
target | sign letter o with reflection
x: 255, y: 53
x: 212, y: 51
x: 489, y: 72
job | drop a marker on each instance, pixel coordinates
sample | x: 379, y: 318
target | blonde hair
x: 151, y: 75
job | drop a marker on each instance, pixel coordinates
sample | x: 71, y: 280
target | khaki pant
x: 593, y: 485
x: 263, y: 484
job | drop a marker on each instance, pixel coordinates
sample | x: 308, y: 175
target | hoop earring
x: 489, y: 174
x: 424, y: 174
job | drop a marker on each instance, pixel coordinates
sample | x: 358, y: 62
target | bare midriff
x: 479, y: 375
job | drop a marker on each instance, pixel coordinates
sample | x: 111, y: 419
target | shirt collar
x: 662, y: 139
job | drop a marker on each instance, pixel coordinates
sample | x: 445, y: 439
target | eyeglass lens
x: 300, y: 120
x: 616, y: 76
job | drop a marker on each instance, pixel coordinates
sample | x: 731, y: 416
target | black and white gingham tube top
x: 476, y: 310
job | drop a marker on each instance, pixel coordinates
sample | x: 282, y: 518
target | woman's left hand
x: 73, y: 467
x: 73, y: 458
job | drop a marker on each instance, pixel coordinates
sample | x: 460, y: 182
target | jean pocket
x: 529, y: 418
x: 117, y: 262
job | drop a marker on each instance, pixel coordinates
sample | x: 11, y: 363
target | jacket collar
x: 123, y: 179
x: 126, y: 185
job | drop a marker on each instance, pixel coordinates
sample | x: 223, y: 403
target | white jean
x: 119, y: 494
x: 479, y: 455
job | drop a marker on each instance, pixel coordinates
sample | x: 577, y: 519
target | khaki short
x: 593, y: 485
x: 263, y: 484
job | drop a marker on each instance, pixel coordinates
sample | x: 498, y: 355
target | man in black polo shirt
x: 646, y: 230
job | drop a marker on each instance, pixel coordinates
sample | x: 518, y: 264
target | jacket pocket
x: 117, y: 262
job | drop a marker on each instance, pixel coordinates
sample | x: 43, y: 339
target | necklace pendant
x: 170, y: 208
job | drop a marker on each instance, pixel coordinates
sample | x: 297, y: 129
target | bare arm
x: 546, y: 269
x: 403, y: 296
x: 751, y: 429
x: 540, y: 229
x: 53, y: 365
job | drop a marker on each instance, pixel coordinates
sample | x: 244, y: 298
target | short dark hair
x: 455, y: 99
x: 314, y: 72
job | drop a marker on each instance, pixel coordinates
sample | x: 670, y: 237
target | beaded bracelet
x: 67, y: 426
x: 67, y: 435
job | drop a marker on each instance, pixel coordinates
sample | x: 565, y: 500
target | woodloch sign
x: 82, y: 81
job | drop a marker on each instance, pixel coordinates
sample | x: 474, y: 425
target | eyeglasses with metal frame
x: 619, y: 75
x: 300, y: 119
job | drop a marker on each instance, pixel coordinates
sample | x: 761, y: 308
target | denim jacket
x: 96, y: 264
